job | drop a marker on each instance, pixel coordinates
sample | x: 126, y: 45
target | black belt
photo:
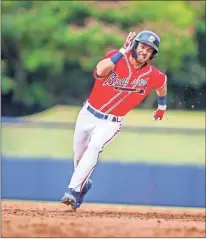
x: 101, y: 115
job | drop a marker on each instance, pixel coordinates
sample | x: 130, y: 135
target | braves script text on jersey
x: 125, y: 87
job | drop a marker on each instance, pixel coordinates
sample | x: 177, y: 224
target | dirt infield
x: 47, y: 219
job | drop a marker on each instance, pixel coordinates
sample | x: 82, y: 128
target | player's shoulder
x: 157, y: 72
x: 111, y: 52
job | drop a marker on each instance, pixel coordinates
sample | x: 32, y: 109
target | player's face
x: 144, y: 52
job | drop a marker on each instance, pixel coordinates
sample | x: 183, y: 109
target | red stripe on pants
x: 83, y: 183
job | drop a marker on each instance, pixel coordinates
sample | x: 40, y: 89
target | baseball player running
x: 123, y: 78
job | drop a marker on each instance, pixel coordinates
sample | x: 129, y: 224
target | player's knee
x: 95, y: 146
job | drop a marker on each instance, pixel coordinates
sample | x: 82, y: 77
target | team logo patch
x: 151, y: 38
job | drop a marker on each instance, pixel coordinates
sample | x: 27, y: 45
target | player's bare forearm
x: 162, y: 92
x: 104, y: 67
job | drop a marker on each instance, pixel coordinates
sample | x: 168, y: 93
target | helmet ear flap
x: 133, y: 49
x: 154, y: 54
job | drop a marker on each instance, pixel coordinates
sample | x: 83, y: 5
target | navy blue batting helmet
x: 148, y: 37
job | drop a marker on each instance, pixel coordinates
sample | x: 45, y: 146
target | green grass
x: 128, y: 147
x: 173, y: 118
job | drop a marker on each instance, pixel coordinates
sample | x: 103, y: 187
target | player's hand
x: 129, y: 41
x: 158, y: 114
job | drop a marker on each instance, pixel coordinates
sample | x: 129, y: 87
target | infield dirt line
x: 54, y: 219
x: 105, y: 207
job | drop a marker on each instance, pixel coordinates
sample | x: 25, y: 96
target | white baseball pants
x: 90, y: 137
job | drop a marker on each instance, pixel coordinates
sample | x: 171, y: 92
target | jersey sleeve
x: 160, y: 80
x: 108, y: 55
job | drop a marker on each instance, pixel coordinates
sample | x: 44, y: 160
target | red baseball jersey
x: 125, y: 87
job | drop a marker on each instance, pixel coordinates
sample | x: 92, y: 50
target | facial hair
x: 136, y: 63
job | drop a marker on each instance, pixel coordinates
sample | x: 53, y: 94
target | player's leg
x: 80, y: 143
x: 101, y: 135
x: 82, y: 134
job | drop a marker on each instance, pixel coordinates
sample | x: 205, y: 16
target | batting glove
x: 159, y: 113
x: 127, y: 45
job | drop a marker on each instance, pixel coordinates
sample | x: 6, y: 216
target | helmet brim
x: 148, y: 43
